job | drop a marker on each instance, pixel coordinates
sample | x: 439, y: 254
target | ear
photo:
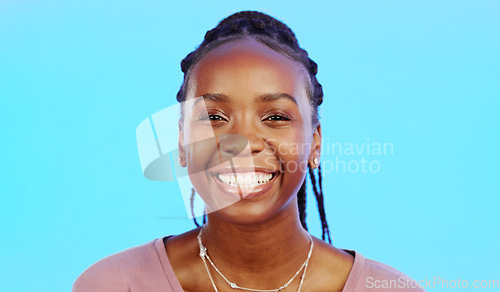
x: 314, y: 156
x: 182, y: 149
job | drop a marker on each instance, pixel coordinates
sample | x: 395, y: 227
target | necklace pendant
x: 234, y: 286
x: 203, y: 252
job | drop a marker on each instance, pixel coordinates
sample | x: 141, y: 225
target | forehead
x: 248, y: 67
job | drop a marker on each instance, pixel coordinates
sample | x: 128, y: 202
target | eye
x: 212, y: 118
x: 215, y: 118
x: 277, y: 118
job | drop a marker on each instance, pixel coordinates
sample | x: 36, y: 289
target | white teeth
x: 245, y: 181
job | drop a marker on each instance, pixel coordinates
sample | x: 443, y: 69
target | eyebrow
x: 275, y: 96
x: 215, y: 97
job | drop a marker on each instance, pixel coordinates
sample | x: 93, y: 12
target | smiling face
x: 248, y: 137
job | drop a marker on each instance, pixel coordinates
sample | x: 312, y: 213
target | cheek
x: 200, y: 150
x: 293, y: 152
x: 198, y: 154
x: 200, y: 145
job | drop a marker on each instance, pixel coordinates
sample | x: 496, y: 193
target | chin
x: 253, y: 213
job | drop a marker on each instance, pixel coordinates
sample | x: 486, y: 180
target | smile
x: 245, y: 180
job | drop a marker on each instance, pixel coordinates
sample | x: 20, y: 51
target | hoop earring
x: 191, y: 201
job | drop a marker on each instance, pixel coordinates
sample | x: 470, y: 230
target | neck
x: 259, y: 249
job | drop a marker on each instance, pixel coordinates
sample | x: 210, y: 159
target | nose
x: 243, y: 139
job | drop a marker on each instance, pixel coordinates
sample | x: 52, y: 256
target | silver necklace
x: 204, y: 257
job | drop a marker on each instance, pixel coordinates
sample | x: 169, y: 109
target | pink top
x: 147, y: 268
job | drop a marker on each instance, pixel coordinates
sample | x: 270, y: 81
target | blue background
x: 77, y: 77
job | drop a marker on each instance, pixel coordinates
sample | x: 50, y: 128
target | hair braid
x: 301, y: 202
x: 321, y: 207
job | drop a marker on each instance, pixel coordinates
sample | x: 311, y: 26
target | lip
x: 244, y: 193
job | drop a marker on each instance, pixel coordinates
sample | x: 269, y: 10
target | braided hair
x: 280, y: 38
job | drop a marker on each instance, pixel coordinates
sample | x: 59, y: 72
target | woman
x: 248, y: 135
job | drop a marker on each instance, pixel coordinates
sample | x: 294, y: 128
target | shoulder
x: 370, y: 275
x: 119, y: 271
